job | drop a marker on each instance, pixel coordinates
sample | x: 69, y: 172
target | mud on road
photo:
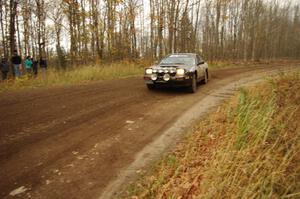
x: 71, y: 142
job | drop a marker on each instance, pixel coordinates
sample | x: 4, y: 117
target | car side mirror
x: 201, y: 62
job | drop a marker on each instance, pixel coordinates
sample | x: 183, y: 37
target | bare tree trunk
x: 4, y: 44
x: 217, y: 25
x: 40, y: 12
x: 13, y: 13
x: 197, y: 26
x: 132, y: 16
x: 26, y: 17
x: 152, y: 29
x: 18, y: 33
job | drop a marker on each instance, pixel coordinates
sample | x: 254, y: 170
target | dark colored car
x: 181, y: 69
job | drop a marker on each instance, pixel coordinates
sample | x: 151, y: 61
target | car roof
x: 186, y: 54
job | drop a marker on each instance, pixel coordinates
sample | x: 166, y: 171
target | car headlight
x: 166, y: 77
x: 154, y: 77
x: 149, y: 71
x: 180, y: 71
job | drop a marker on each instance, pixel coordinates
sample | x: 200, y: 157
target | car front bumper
x: 176, y: 81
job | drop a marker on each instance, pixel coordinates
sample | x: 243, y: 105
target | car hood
x: 171, y: 66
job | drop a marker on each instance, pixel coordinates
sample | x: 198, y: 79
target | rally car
x: 180, y: 69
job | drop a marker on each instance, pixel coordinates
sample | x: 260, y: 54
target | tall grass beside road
x: 225, y: 64
x: 77, y: 76
x: 249, y: 148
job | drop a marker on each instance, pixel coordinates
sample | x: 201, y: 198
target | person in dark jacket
x: 4, y: 68
x: 34, y: 66
x: 16, y: 61
x: 43, y: 66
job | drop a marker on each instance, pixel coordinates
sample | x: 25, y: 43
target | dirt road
x: 71, y: 142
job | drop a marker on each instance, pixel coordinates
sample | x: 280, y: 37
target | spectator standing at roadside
x: 34, y: 67
x: 4, y: 68
x: 28, y: 66
x: 16, y: 60
x: 43, y: 66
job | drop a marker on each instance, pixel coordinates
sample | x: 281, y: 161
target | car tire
x: 193, y: 86
x: 205, y: 77
x: 150, y: 86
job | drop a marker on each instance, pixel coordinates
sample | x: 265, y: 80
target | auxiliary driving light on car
x: 160, y: 71
x: 166, y: 71
x: 166, y: 77
x: 173, y: 70
x: 154, y: 77
x: 149, y: 71
x: 180, y: 72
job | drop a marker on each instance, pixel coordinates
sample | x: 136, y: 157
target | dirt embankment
x: 71, y: 142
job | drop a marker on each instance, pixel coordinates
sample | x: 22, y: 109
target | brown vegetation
x: 247, y: 149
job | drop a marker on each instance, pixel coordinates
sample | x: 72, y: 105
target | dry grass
x: 76, y: 76
x: 102, y: 71
x: 224, y: 64
x: 249, y: 148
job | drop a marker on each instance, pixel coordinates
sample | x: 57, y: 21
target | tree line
x: 84, y: 31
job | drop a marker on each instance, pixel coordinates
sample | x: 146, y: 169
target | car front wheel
x: 205, y: 77
x: 193, y: 86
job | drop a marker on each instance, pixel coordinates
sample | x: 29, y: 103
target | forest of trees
x: 85, y: 31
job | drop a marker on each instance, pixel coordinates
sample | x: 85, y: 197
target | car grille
x: 169, y: 69
x: 160, y: 75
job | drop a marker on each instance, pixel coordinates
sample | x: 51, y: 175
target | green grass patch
x: 248, y: 148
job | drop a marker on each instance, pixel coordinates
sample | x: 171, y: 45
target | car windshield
x: 178, y: 60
